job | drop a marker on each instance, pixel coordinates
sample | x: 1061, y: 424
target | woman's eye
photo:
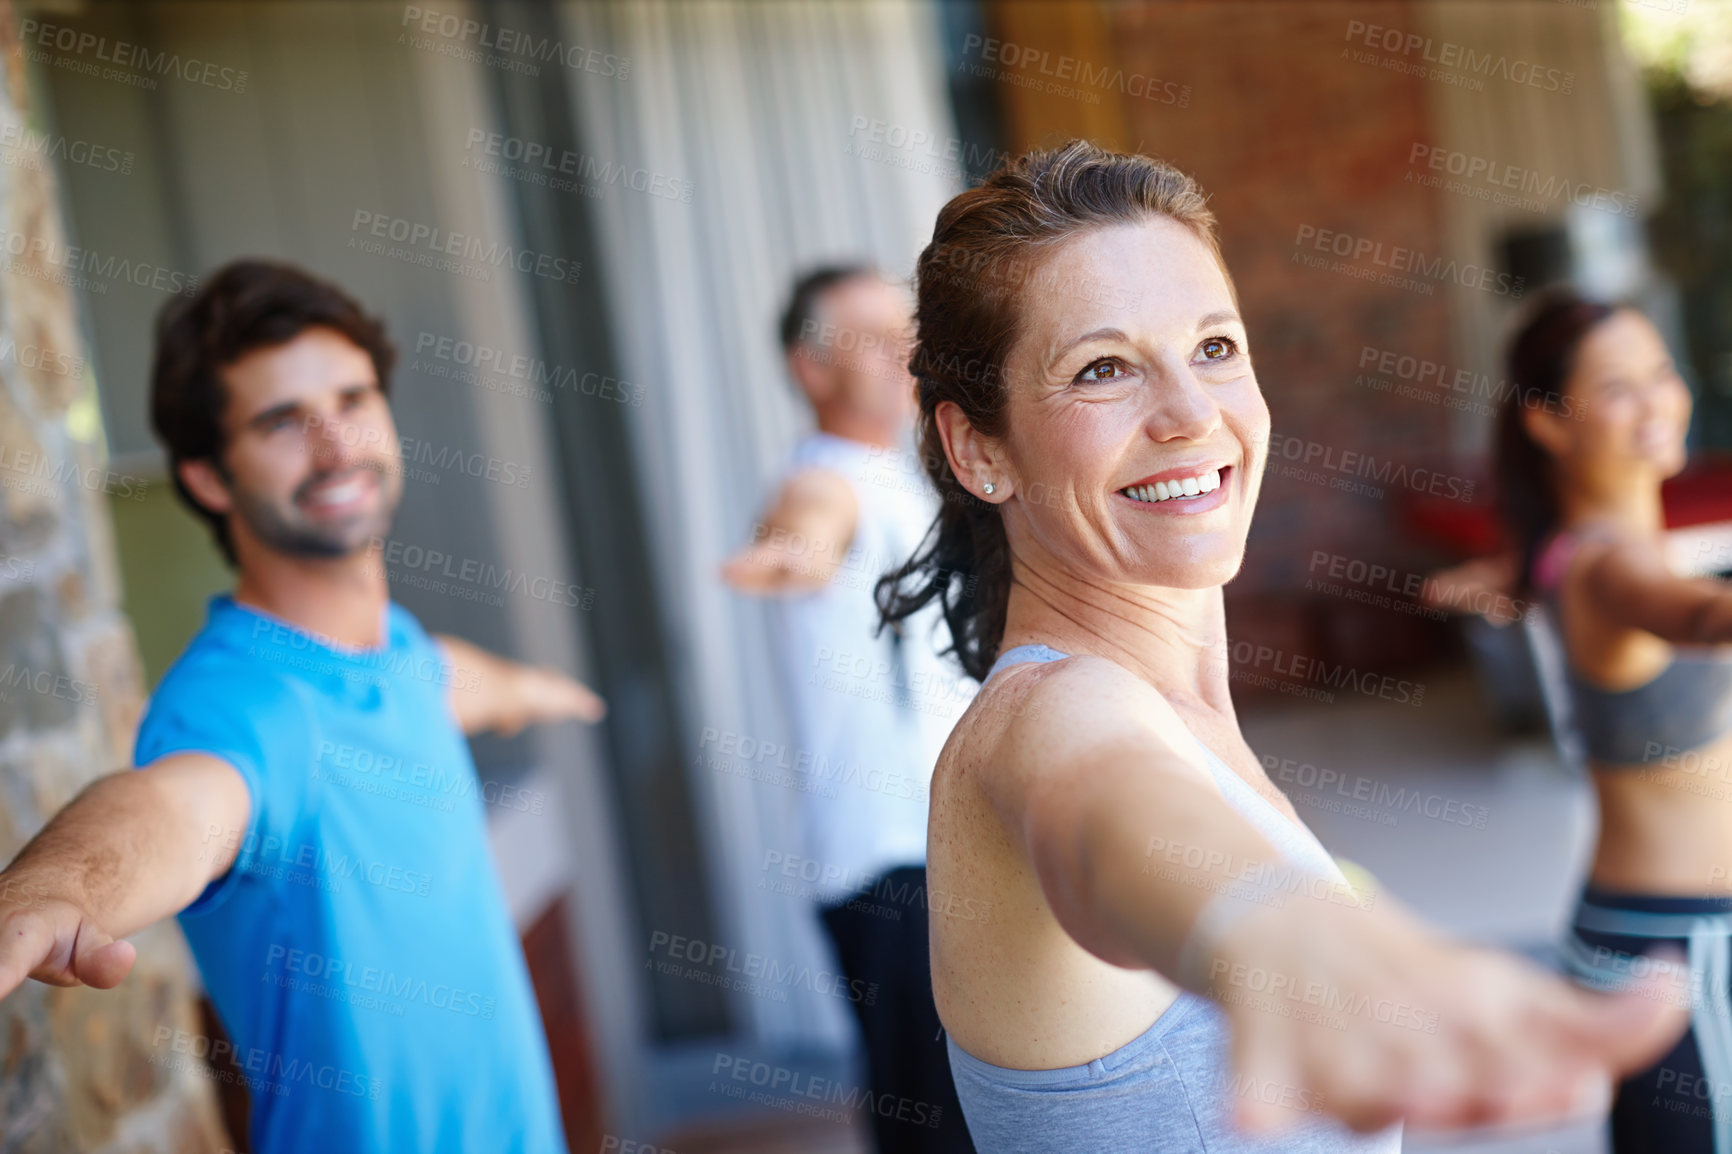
x: 1102, y: 370
x: 1218, y: 348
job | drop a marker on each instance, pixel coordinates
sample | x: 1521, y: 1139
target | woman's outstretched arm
x: 1095, y: 779
x: 1631, y: 584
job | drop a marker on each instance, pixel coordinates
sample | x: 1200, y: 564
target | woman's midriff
x: 1666, y: 827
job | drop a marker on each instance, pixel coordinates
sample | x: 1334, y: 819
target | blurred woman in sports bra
x: 1139, y: 945
x: 1596, y: 421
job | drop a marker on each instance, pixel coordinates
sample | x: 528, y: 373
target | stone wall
x: 80, y: 1070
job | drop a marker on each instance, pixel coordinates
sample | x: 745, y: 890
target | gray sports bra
x: 1685, y: 708
x: 1170, y: 1090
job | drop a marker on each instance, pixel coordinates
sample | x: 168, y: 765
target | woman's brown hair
x: 1540, y: 361
x: 990, y: 245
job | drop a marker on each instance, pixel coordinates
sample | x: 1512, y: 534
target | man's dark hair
x: 802, y: 307
x: 244, y: 306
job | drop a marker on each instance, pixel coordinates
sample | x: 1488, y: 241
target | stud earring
x: 989, y: 486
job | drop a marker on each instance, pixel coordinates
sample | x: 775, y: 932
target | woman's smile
x: 1185, y: 490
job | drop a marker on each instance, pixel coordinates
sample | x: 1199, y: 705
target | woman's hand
x: 1366, y: 1015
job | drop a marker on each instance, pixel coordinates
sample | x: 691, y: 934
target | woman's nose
x: 1183, y: 408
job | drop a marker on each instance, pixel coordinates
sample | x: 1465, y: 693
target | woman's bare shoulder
x: 1042, y: 718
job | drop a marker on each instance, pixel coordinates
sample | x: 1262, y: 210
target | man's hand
x: 134, y: 847
x: 536, y: 695
x: 53, y: 941
x: 491, y: 694
x: 802, y: 540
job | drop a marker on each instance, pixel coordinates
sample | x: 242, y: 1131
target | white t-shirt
x: 870, y: 713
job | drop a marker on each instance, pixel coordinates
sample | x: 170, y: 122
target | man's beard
x: 282, y: 531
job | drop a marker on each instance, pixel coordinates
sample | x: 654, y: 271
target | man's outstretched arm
x: 132, y: 848
x: 491, y: 693
x: 802, y: 540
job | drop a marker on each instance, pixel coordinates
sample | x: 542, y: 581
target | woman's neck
x: 1631, y: 505
x: 1173, y: 638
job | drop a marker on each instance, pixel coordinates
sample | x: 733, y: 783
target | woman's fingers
x: 1266, y: 1077
x: 1504, y: 1044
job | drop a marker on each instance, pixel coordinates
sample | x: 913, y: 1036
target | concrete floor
x: 1511, y: 882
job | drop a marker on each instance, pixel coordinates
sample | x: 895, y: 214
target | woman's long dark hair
x: 986, y: 248
x: 1540, y: 361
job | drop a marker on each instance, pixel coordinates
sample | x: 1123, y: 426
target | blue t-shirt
x: 359, y: 951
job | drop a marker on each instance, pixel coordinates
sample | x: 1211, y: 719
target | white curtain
x: 762, y: 108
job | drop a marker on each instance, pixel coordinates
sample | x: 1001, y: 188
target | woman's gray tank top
x: 1170, y: 1090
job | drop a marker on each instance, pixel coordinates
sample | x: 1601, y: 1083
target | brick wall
x: 1257, y: 101
x: 80, y: 1070
x: 1285, y: 131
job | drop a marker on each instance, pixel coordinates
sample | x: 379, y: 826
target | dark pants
x: 881, y: 940
x: 1676, y: 1106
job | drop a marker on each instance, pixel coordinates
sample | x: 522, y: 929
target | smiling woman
x: 1100, y: 454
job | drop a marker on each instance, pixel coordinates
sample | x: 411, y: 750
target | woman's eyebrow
x: 1107, y: 334
x: 1216, y: 318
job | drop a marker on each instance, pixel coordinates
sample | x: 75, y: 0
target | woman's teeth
x: 1176, y: 490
